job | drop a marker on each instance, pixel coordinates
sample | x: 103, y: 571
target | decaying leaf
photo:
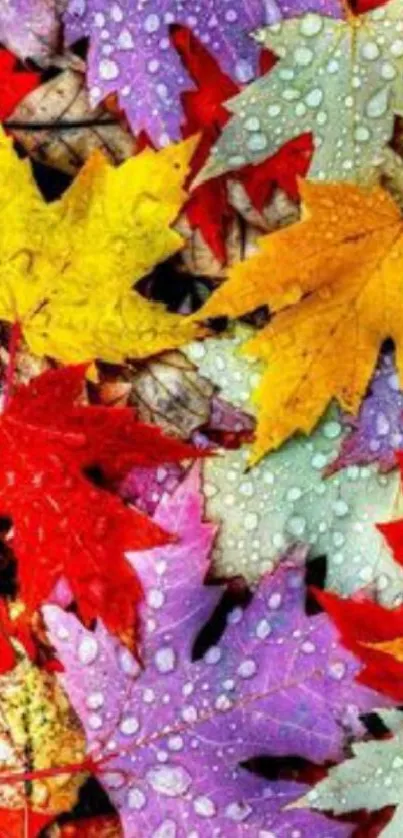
x: 170, y: 392
x: 58, y: 102
x: 38, y: 730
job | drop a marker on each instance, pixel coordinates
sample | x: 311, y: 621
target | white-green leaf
x: 285, y: 499
x: 371, y: 780
x: 342, y: 80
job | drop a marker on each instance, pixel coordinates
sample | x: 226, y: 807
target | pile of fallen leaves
x: 201, y: 427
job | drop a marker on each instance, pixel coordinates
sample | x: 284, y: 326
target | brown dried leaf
x: 38, y: 731
x: 246, y: 228
x: 167, y: 390
x: 56, y: 103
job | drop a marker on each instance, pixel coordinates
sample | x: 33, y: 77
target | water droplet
x: 370, y: 50
x: 263, y: 629
x: 155, y: 598
x: 114, y: 779
x: 314, y: 98
x: 212, y: 655
x: 247, y: 668
x: 303, y: 56
x: 204, y: 807
x: 88, y: 649
x: 95, y: 700
x: 169, y: 780
x: 129, y: 725
x: 238, y: 812
x: 108, y: 69
x: 311, y: 25
x: 378, y: 104
x: 167, y: 829
x: 136, y: 799
x: 165, y: 659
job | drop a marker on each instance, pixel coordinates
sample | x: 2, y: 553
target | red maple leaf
x: 63, y: 525
x: 372, y: 632
x: 102, y: 826
x: 208, y: 208
x: 22, y: 823
x: 15, y: 84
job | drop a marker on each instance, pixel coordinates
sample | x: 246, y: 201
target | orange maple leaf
x: 334, y: 283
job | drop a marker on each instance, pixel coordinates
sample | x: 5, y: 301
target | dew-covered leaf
x: 372, y: 779
x: 332, y: 281
x: 57, y: 103
x: 372, y: 633
x: 377, y: 432
x: 176, y: 730
x: 326, y: 67
x: 67, y: 268
x: 30, y: 28
x: 285, y: 498
x: 131, y: 52
x: 63, y: 524
x: 38, y: 730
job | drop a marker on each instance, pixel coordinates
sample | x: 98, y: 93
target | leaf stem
x: 55, y: 125
x: 43, y: 773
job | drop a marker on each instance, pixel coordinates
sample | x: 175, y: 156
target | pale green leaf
x: 285, y: 499
x: 342, y: 80
x: 372, y: 779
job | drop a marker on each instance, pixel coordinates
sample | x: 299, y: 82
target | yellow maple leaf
x: 67, y: 268
x: 334, y: 281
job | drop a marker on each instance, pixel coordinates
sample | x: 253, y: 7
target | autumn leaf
x: 15, y: 823
x: 149, y: 92
x: 373, y: 633
x: 15, y: 83
x: 333, y: 281
x: 103, y: 826
x: 285, y: 498
x: 168, y: 390
x: 72, y: 129
x: 218, y: 711
x: 67, y: 268
x: 325, y: 67
x: 38, y: 732
x: 63, y: 525
x: 209, y: 207
x: 370, y: 780
x: 30, y: 28
x: 377, y: 432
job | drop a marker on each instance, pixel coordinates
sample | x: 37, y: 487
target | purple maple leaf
x: 131, y: 53
x: 29, y: 28
x: 176, y: 730
x: 377, y: 432
x: 145, y: 486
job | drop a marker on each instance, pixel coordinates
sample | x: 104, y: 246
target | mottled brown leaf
x: 61, y: 101
x: 37, y: 731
